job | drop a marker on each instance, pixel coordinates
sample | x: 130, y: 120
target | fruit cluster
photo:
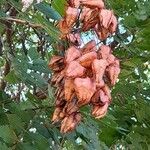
x: 88, y: 14
x: 84, y: 75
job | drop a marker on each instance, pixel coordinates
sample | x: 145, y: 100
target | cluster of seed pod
x: 88, y: 14
x: 83, y: 75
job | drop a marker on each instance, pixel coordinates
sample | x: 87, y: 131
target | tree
x: 28, y: 40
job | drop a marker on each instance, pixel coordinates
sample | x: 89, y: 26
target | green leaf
x: 69, y: 146
x: 12, y: 78
x: 59, y: 6
x: 40, y: 66
x: 3, y: 146
x: 2, y: 14
x: 25, y: 116
x: 15, y: 4
x: 4, y: 97
x: 48, y: 27
x: 48, y: 11
x: 38, y: 79
x: 15, y: 122
x: 33, y: 54
x: 39, y: 141
x: 88, y: 131
x: 27, y: 104
x: 3, y: 118
x: 33, y: 100
x: 2, y: 1
x: 26, y: 146
x: 7, y: 134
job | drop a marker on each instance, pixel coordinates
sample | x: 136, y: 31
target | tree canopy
x: 27, y: 42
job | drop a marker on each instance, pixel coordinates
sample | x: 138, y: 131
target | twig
x: 38, y: 108
x: 24, y: 46
x: 19, y: 21
x: 1, y: 47
x: 6, y: 71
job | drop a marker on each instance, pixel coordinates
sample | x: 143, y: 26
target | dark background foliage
x: 28, y: 40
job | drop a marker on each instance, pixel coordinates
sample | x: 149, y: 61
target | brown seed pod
x: 74, y: 69
x: 85, y: 88
x: 92, y: 3
x: 99, y: 111
x: 89, y: 47
x: 69, y: 89
x: 71, y: 107
x: 87, y: 59
x: 72, y: 53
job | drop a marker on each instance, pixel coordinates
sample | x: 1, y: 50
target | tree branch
x: 19, y: 21
x: 6, y: 71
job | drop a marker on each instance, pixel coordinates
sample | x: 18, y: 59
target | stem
x: 19, y: 21
x: 6, y: 71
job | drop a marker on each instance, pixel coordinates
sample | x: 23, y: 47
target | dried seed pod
x: 56, y: 63
x: 70, y: 122
x: 111, y: 58
x: 99, y: 67
x: 60, y: 102
x: 113, y: 72
x: 92, y: 3
x: 60, y: 95
x: 103, y: 97
x: 89, y: 47
x: 85, y: 88
x: 63, y: 27
x: 78, y: 118
x: 58, y: 90
x: 74, y: 70
x: 95, y: 100
x: 57, y: 78
x: 64, y: 124
x: 71, y: 16
x: 85, y: 14
x: 56, y: 113
x: 74, y: 3
x: 54, y: 60
x: 89, y: 73
x: 54, y: 78
x: 67, y: 124
x: 87, y: 59
x: 91, y: 21
x: 60, y: 77
x: 104, y: 52
x: 105, y: 18
x: 101, y: 32
x: 107, y: 24
x: 72, y: 53
x: 74, y: 38
x: 69, y: 89
x: 62, y: 115
x: 107, y: 91
x: 99, y: 111
x: 113, y: 24
x: 71, y: 107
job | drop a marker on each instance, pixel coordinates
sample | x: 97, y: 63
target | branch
x: 39, y: 108
x: 6, y: 71
x: 1, y: 47
x: 19, y: 21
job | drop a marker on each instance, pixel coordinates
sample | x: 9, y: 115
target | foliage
x: 26, y: 45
